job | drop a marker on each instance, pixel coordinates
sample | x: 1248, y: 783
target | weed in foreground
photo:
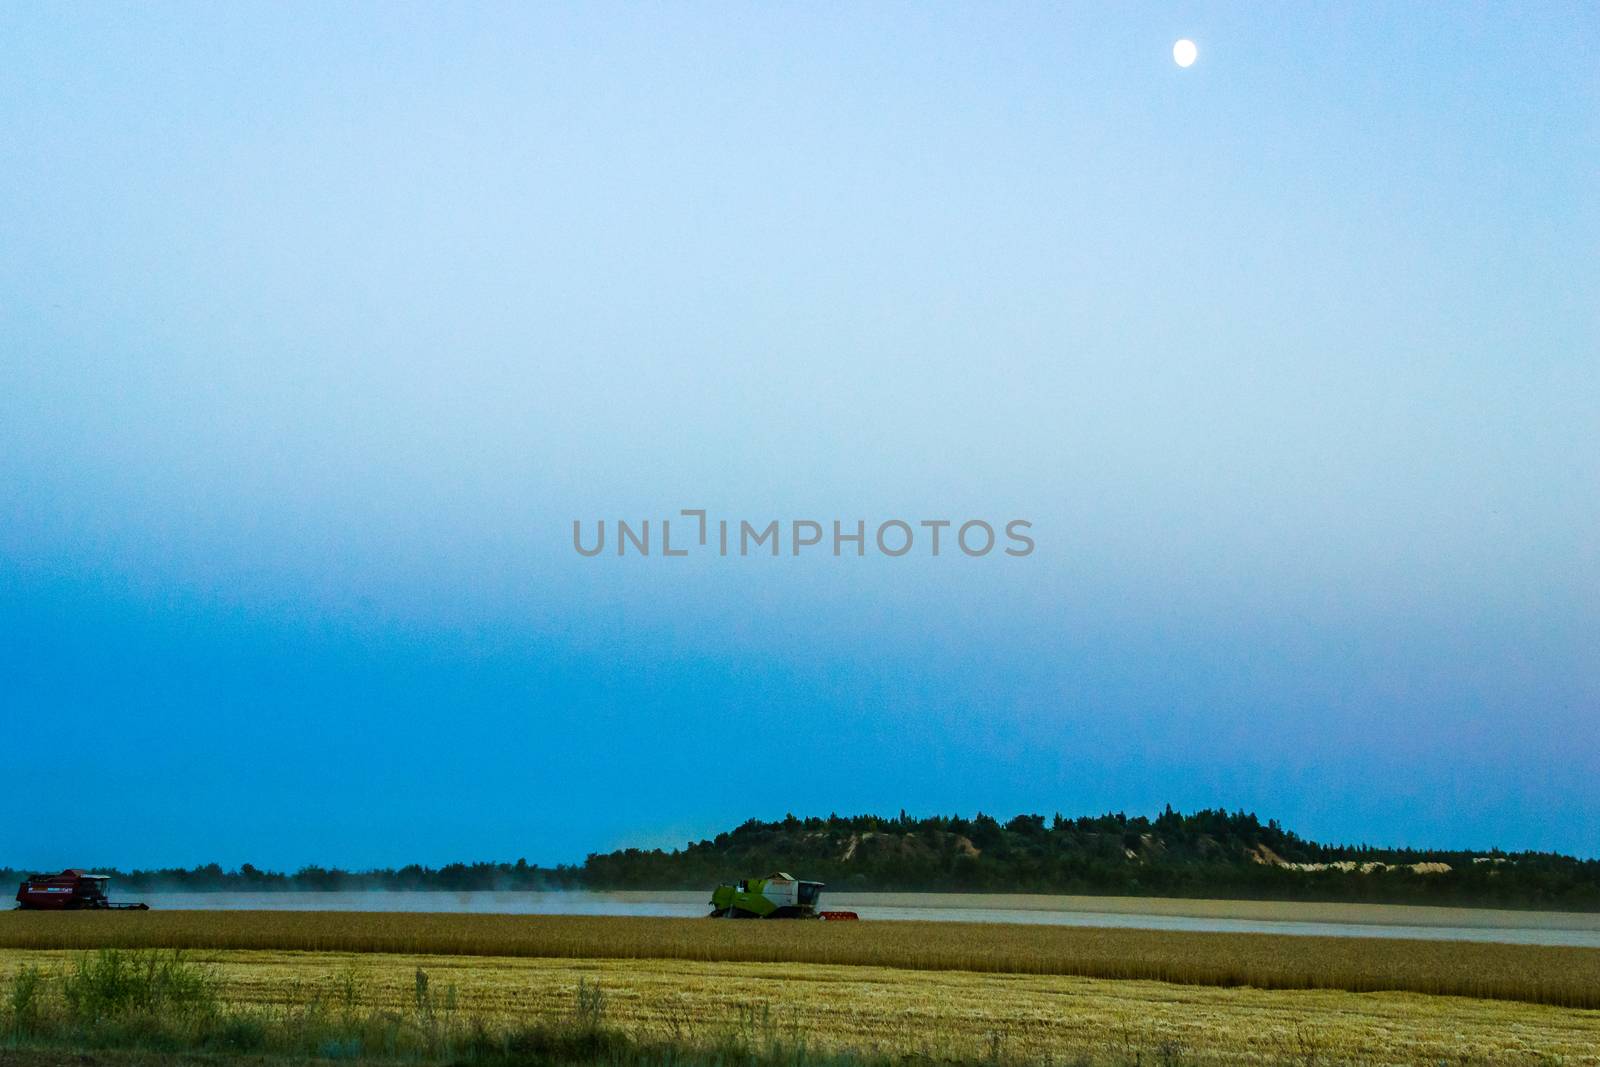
x: 117, y: 1001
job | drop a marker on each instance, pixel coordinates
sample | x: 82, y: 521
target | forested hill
x: 1208, y: 853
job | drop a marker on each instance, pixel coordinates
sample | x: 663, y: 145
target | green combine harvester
x: 777, y: 896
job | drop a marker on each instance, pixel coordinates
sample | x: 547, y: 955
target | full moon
x: 1184, y: 53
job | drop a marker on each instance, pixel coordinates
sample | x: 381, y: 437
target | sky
x: 321, y: 324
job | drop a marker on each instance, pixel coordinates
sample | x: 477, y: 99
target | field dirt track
x: 1560, y: 976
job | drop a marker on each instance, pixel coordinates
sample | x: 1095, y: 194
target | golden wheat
x: 930, y: 1016
x: 1563, y: 976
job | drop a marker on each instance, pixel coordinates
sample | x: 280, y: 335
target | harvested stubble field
x: 958, y: 1016
x: 1561, y: 976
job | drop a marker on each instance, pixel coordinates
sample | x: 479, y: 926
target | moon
x: 1184, y: 53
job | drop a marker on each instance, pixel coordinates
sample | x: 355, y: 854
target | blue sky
x: 319, y: 326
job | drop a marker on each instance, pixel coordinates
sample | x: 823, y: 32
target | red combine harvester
x: 70, y: 891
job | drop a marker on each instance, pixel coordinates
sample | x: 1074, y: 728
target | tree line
x: 1207, y: 853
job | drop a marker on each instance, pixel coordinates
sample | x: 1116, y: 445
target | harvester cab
x: 71, y: 890
x: 777, y: 896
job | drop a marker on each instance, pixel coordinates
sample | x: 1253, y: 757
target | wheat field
x: 949, y: 1015
x: 1559, y: 976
